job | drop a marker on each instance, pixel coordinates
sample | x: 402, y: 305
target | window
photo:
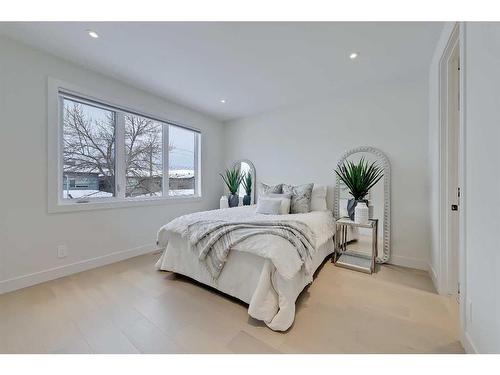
x: 143, y: 156
x: 112, y: 155
x: 181, y: 149
x: 88, y: 151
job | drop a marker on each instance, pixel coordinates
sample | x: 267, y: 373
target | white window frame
x: 56, y: 203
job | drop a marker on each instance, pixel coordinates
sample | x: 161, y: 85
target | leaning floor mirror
x: 246, y: 191
x: 379, y: 204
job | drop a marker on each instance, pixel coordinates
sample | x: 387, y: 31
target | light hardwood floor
x: 128, y: 307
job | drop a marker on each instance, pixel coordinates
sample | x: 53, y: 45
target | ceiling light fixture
x: 353, y: 55
x: 93, y: 34
x: 223, y: 101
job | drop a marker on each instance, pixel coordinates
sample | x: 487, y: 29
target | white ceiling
x: 255, y: 66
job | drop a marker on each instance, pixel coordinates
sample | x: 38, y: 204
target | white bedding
x: 264, y: 271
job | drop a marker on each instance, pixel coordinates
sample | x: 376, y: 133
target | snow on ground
x: 181, y: 192
x: 171, y: 193
x: 79, y: 194
x: 180, y: 173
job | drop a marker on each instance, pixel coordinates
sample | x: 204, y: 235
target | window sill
x: 72, y: 206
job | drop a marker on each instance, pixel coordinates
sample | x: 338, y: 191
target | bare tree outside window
x: 143, y: 156
x: 89, y: 147
x: 89, y: 151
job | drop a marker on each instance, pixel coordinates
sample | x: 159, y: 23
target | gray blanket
x: 212, y: 240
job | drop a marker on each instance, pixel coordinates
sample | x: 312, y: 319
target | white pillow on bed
x: 318, y: 198
x: 286, y: 201
x: 269, y: 206
x: 343, y: 208
x: 284, y: 204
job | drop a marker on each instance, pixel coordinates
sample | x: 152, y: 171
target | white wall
x: 28, y: 234
x: 302, y: 144
x: 481, y: 203
x: 482, y: 188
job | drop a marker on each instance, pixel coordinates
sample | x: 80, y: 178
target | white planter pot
x: 223, y: 202
x: 361, y: 213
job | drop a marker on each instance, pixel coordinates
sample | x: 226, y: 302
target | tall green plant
x: 359, y: 178
x: 232, y: 178
x: 247, y: 183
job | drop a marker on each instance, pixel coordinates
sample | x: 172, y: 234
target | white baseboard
x: 24, y: 281
x: 434, y: 278
x: 468, y: 344
x: 416, y: 263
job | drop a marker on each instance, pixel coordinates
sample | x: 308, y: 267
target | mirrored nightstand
x: 355, y: 260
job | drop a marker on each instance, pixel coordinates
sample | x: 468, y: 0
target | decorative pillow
x: 318, y: 198
x: 343, y: 208
x: 285, y: 201
x: 301, y: 198
x: 269, y: 206
x: 270, y: 189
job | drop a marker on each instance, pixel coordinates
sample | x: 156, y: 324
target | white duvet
x: 264, y: 271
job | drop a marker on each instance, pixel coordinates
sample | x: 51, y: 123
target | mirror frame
x: 384, y: 160
x: 237, y: 164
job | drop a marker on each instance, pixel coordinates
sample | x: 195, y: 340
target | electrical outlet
x: 62, y: 251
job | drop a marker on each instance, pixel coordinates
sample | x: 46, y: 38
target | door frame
x: 456, y: 39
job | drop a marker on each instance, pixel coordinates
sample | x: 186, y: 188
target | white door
x: 453, y: 189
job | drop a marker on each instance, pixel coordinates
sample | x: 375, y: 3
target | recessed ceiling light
x: 353, y: 55
x: 93, y: 34
x: 223, y: 101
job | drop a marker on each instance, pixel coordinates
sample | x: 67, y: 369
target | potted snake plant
x: 232, y: 178
x: 247, y: 185
x: 359, y: 178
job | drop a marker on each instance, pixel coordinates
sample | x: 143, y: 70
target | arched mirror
x: 379, y: 198
x: 246, y: 167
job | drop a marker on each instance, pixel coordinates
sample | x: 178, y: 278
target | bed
x: 264, y: 271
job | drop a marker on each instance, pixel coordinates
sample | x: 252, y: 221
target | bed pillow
x: 301, y: 197
x: 269, y: 206
x: 318, y: 198
x: 343, y: 208
x: 285, y: 201
x: 270, y: 189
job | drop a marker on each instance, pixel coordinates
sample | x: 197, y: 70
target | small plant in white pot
x: 359, y: 178
x: 232, y: 178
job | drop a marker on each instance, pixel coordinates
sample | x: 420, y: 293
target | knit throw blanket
x: 212, y: 240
